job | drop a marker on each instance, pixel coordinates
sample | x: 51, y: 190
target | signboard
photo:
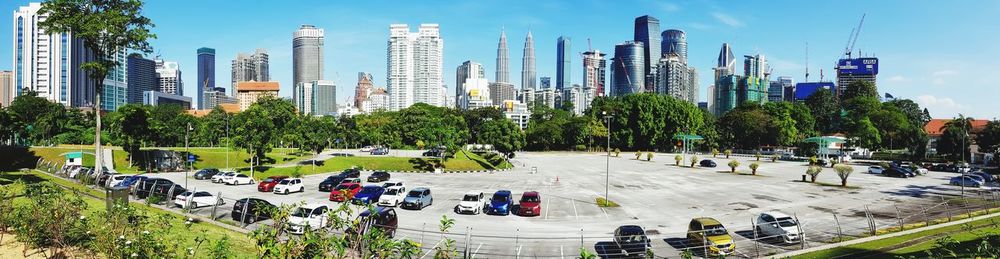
x: 858, y: 66
x: 804, y: 90
x: 191, y: 158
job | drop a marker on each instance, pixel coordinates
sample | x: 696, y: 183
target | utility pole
x: 228, y: 142
x: 187, y: 150
x: 607, y: 180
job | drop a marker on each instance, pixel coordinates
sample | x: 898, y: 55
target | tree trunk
x: 813, y: 178
x: 754, y: 171
x: 843, y: 182
x: 98, y: 155
x: 732, y: 169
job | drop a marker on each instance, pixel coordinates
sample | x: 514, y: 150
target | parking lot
x: 660, y: 197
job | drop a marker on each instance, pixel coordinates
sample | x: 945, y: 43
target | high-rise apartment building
x: 48, y: 63
x: 579, y: 96
x: 673, y: 78
x: 594, y: 71
x: 249, y: 92
x: 856, y: 69
x: 647, y: 31
x: 564, y: 57
x: 307, y: 54
x: 6, y: 88
x: 302, y: 97
x: 141, y: 77
x: 528, y: 64
x: 206, y: 75
x: 732, y: 90
x: 627, y: 69
x: 415, y: 63
x: 503, y: 60
x: 250, y: 67
x: 500, y: 92
x: 378, y: 100
x: 363, y: 89
x: 726, y: 63
x: 469, y: 70
x: 324, y: 98
x: 169, y: 76
x: 155, y: 98
x: 114, y: 92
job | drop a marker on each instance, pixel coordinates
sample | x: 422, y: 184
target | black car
x: 332, y: 181
x: 434, y: 152
x: 380, y: 151
x: 632, y: 240
x: 250, y: 210
x: 167, y: 191
x: 707, y: 163
x: 383, y: 219
x: 378, y: 176
x: 895, y: 171
x: 205, y: 174
x: 103, y: 179
x: 145, y: 186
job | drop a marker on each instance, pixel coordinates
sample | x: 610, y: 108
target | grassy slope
x: 207, y: 157
x: 914, y: 250
x: 242, y: 246
x: 461, y: 161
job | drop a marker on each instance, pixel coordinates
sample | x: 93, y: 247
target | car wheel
x: 194, y: 205
x: 251, y: 220
x: 286, y: 191
x: 420, y: 205
x: 302, y: 189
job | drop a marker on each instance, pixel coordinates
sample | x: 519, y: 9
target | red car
x: 530, y: 204
x: 344, y: 192
x: 267, y: 185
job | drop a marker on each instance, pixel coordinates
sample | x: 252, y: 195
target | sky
x: 940, y: 54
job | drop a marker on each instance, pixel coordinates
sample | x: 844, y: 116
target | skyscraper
x: 545, y: 82
x: 594, y: 72
x: 673, y: 77
x: 114, y: 92
x: 503, y: 60
x: 169, y: 75
x: 307, y: 55
x: 528, y: 64
x: 647, y: 31
x: 726, y: 63
x: 469, y: 70
x: 500, y: 92
x: 856, y: 69
x: 48, y: 64
x: 206, y: 75
x: 414, y: 64
x: 250, y: 67
x: 626, y: 69
x: 6, y: 88
x: 302, y: 96
x: 363, y: 89
x: 324, y: 98
x: 675, y: 42
x: 141, y: 77
x: 563, y: 61
x: 732, y: 90
x: 779, y: 90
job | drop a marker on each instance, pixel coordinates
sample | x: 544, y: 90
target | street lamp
x: 187, y: 150
x: 228, y: 142
x: 607, y: 179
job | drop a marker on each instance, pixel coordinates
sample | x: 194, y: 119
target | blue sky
x: 938, y: 53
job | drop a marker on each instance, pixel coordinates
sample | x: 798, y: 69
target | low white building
x: 517, y: 112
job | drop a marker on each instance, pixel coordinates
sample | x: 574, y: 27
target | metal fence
x: 749, y: 241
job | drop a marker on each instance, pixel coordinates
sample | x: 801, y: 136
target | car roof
x: 531, y: 193
x: 350, y: 184
x: 395, y: 187
x: 631, y: 228
x: 312, y: 206
x: 503, y: 192
x: 707, y: 221
x: 378, y: 209
x: 777, y: 214
x: 420, y: 189
x: 473, y: 193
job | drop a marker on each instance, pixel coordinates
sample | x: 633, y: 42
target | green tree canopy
x: 823, y: 107
x: 505, y: 136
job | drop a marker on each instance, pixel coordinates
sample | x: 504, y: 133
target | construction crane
x: 853, y: 37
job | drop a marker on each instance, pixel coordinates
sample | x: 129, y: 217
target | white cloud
x: 945, y: 72
x: 700, y: 26
x: 727, y: 19
x: 941, y: 107
x: 898, y: 78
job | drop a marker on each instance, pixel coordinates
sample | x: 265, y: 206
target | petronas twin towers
x: 528, y: 76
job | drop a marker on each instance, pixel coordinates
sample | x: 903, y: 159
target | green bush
x: 843, y: 171
x: 813, y: 171
x: 733, y: 164
x: 694, y: 160
x: 728, y: 153
x: 617, y: 152
x: 715, y: 152
x: 678, y: 159
x: 753, y: 168
x: 649, y: 156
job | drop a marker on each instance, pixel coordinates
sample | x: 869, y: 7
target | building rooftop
x: 935, y: 127
x: 257, y: 86
x: 227, y: 107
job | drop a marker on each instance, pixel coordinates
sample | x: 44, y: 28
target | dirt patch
x: 743, y: 205
x: 768, y: 198
x: 827, y: 210
x: 10, y: 248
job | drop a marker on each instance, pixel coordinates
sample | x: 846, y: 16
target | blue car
x: 966, y: 181
x: 500, y: 203
x: 368, y: 194
x: 987, y: 177
x: 131, y: 180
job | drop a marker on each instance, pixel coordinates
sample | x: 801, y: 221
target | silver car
x: 417, y: 199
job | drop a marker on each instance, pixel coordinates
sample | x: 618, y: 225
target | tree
x: 893, y: 127
x: 954, y: 141
x: 860, y: 88
x: 105, y: 26
x: 748, y: 127
x: 843, y: 171
x: 733, y: 164
x: 694, y: 160
x: 678, y: 159
x: 753, y: 168
x: 813, y: 171
x: 863, y: 133
x: 130, y: 125
x: 823, y: 106
x: 989, y: 138
x: 505, y: 136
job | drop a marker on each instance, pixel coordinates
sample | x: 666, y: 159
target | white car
x: 472, y: 203
x: 221, y: 177
x: 197, y: 199
x: 116, y: 179
x: 392, y: 196
x: 777, y: 225
x: 288, y: 185
x: 367, y: 149
x: 313, y: 216
x: 238, y: 179
x: 390, y: 184
x: 875, y: 169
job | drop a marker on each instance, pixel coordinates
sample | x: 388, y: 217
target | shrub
x: 733, y: 164
x: 813, y: 171
x: 753, y: 168
x: 297, y: 172
x: 694, y: 160
x: 420, y: 144
x: 678, y: 159
x: 649, y: 156
x: 580, y: 147
x: 638, y: 154
x: 617, y: 152
x: 715, y: 152
x: 843, y: 171
x: 813, y: 160
x: 728, y: 153
x: 757, y: 155
x: 774, y: 158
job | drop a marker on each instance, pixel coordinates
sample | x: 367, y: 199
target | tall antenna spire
x: 807, y: 61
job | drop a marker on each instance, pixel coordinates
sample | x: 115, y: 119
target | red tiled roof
x: 935, y: 127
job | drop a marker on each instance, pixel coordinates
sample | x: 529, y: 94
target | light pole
x: 965, y: 134
x: 187, y: 132
x: 228, y: 142
x: 607, y: 179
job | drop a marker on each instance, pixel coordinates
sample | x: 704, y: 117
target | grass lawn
x: 241, y: 245
x: 912, y: 244
x: 461, y: 162
x: 205, y: 157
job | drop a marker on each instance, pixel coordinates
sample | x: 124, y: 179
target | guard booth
x: 74, y: 158
x: 116, y: 195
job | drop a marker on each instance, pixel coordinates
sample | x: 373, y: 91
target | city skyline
x: 356, y: 40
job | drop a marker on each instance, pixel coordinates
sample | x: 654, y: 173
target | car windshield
x: 186, y: 194
x: 414, y: 193
x: 344, y: 187
x: 715, y: 230
x: 370, y: 189
x: 392, y: 192
x: 269, y: 180
x: 499, y: 198
x: 301, y: 212
x: 786, y: 222
x: 631, y: 235
x: 471, y: 198
x: 286, y: 181
x: 529, y: 198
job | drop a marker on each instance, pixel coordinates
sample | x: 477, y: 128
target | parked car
x: 433, y: 152
x: 977, y: 178
x: 367, y: 148
x: 103, y: 179
x: 500, y: 203
x: 130, y: 181
x: 965, y: 181
x: 341, y: 154
x: 267, y: 185
x: 895, y: 172
x: 167, y: 190
x: 351, y: 180
x: 368, y: 194
x: 378, y: 176
x: 778, y: 225
x: 710, y: 233
x: 288, y: 185
x: 875, y: 169
x: 239, y: 179
x: 906, y: 169
x: 344, y: 192
x: 389, y: 184
x: 986, y: 177
x: 530, y: 204
x: 384, y: 219
x: 392, y: 196
x: 220, y: 177
x: 380, y: 151
x: 206, y: 173
x: 117, y: 179
x: 821, y: 162
x: 707, y: 163
x: 197, y: 199
x: 311, y: 216
x: 144, y: 187
x: 250, y: 210
x: 472, y: 203
x: 418, y: 199
x: 330, y: 182
x: 632, y: 241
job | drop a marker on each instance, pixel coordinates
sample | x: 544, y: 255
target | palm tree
x: 955, y: 137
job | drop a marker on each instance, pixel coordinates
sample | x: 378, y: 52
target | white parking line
x: 561, y: 254
x: 432, y: 248
x: 546, y: 208
x: 576, y: 214
x: 519, y: 250
x: 477, y: 250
